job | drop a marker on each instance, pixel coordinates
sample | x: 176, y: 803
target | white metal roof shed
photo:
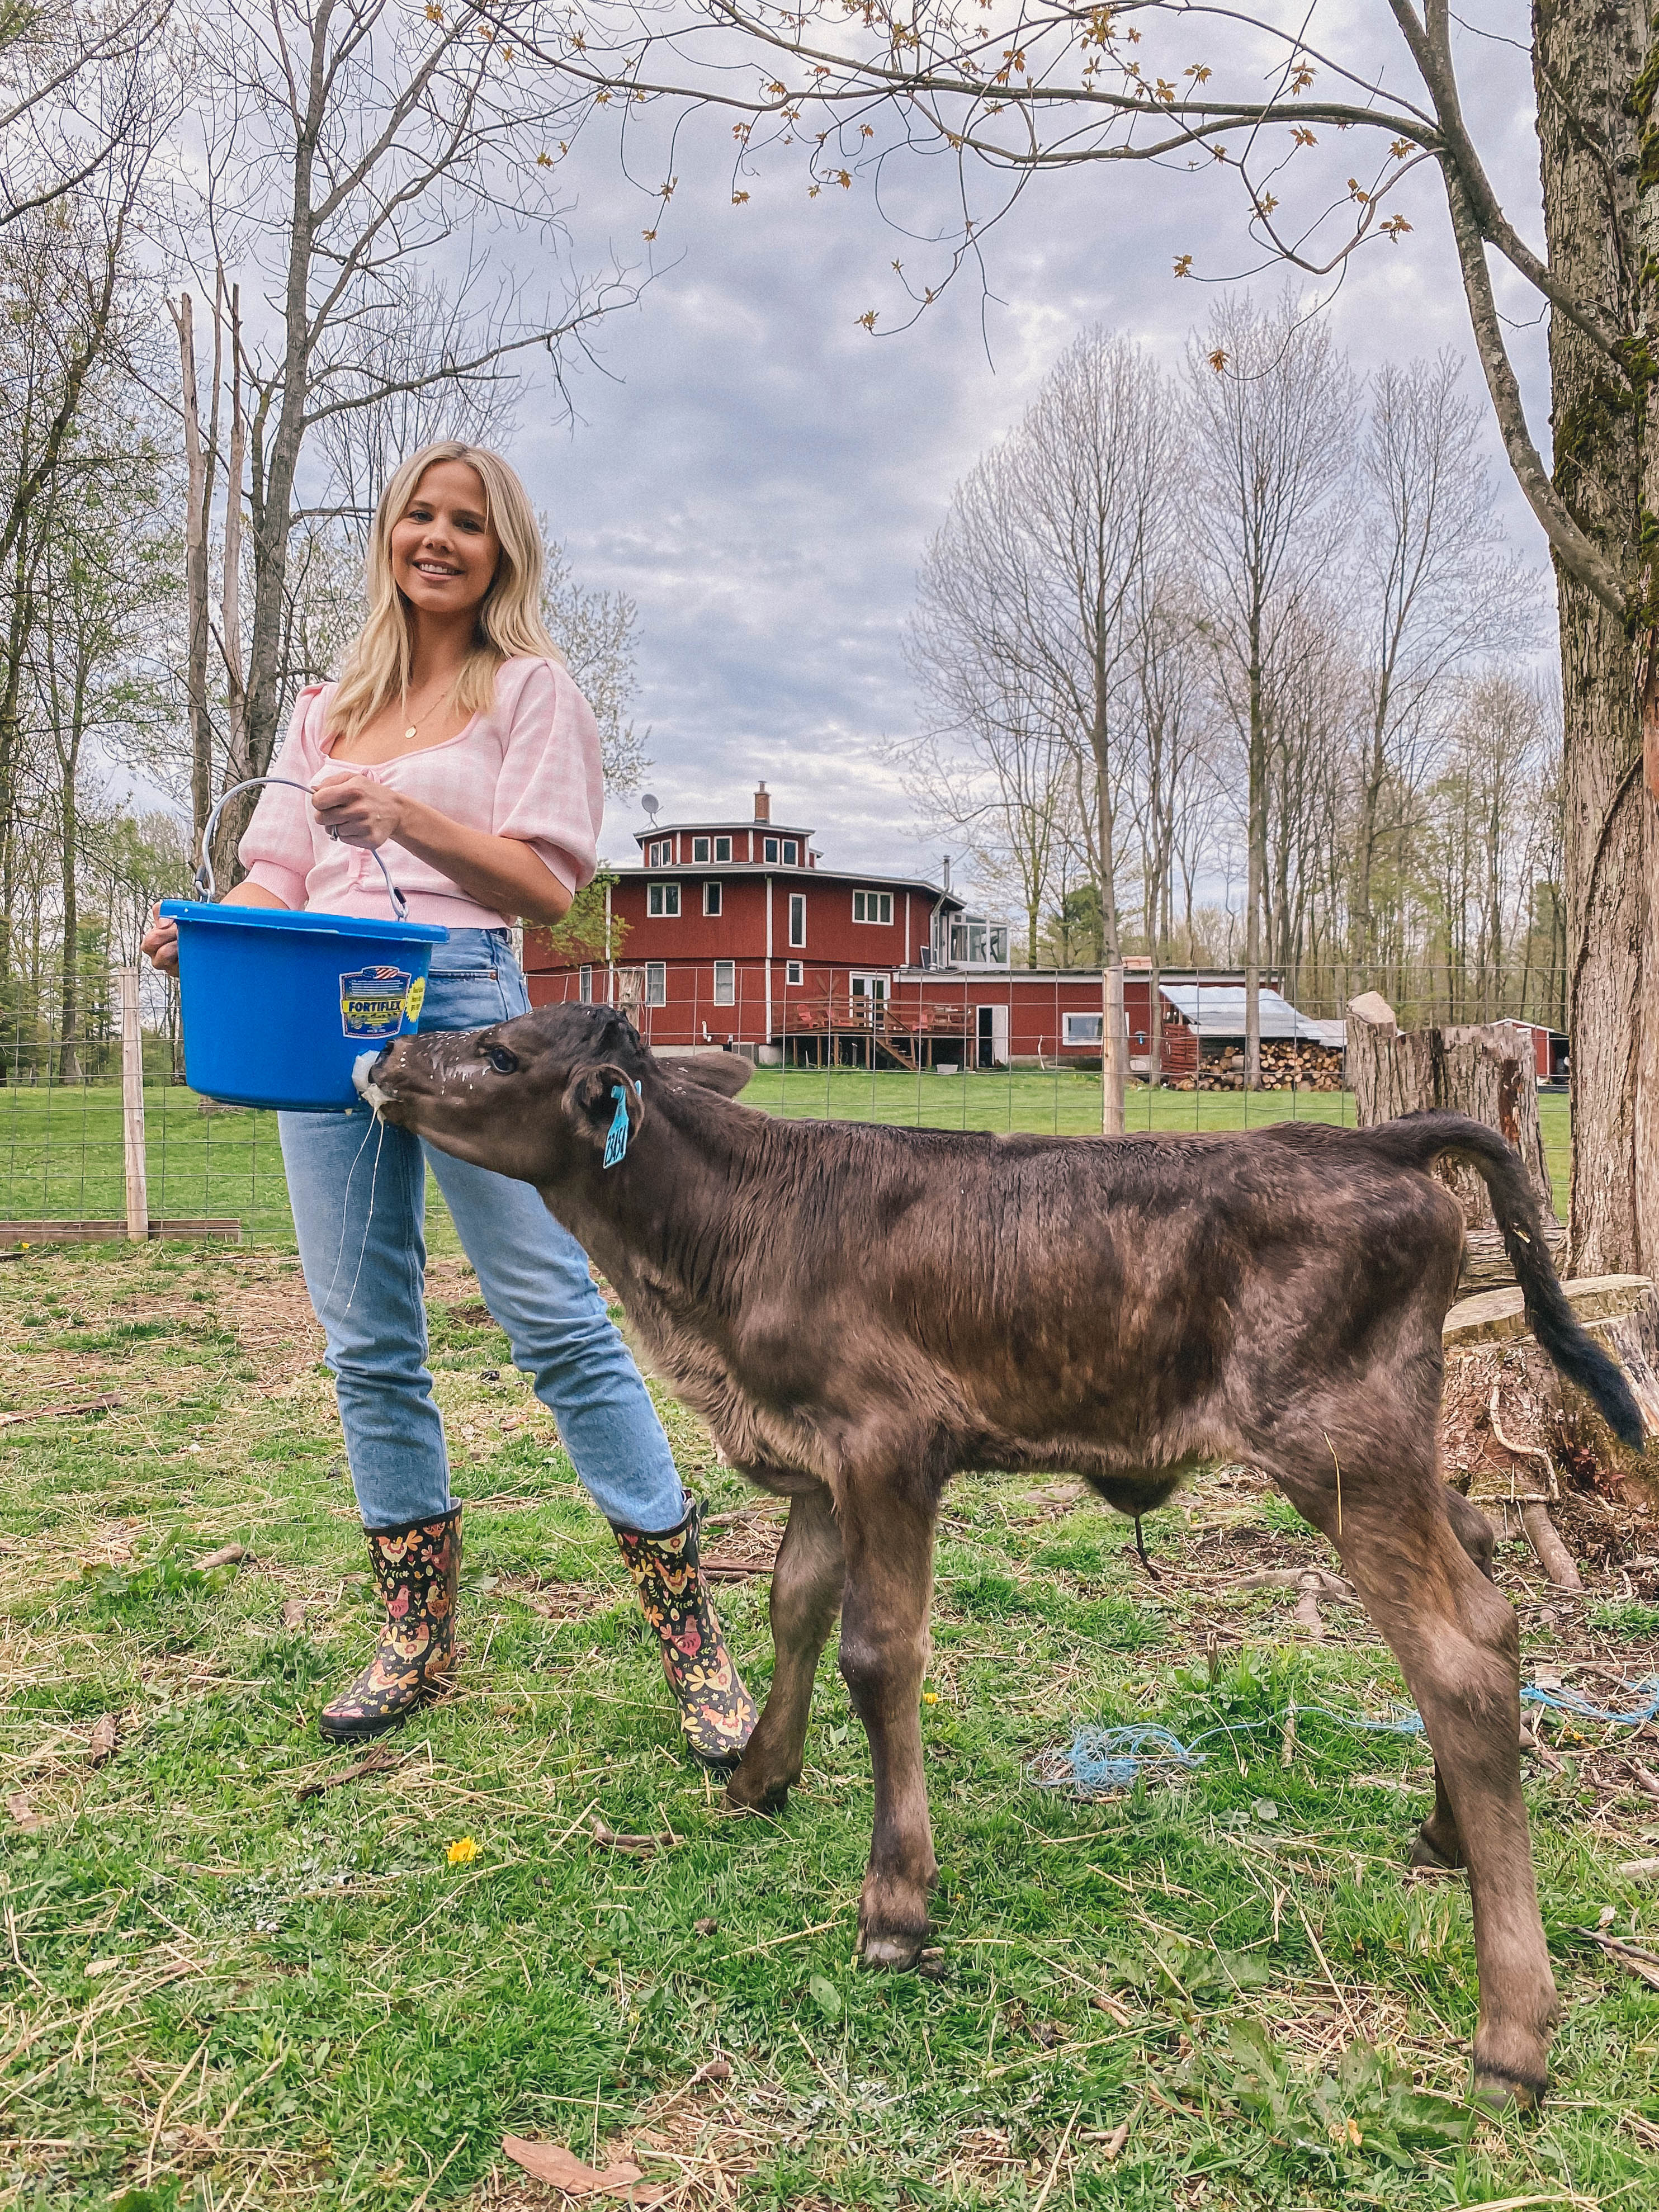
x: 1217, y: 1009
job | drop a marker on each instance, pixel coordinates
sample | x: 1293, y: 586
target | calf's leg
x: 1458, y: 1645
x: 1438, y: 1844
x: 884, y: 1656
x: 806, y: 1586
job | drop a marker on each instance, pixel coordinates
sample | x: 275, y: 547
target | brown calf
x: 858, y: 1313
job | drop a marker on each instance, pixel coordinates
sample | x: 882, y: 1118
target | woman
x: 456, y: 744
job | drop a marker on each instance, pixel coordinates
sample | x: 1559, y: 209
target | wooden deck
x: 874, y: 1032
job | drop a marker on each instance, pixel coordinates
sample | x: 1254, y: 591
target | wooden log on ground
x: 1512, y: 1432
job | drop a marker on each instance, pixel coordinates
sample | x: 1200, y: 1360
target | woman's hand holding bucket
x: 356, y: 810
x: 159, y: 944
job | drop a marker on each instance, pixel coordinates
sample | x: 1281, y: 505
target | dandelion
x: 930, y: 1697
x: 462, y: 1852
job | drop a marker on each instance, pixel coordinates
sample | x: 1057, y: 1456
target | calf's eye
x: 503, y: 1061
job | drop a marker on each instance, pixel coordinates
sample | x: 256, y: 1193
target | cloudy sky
x: 760, y: 475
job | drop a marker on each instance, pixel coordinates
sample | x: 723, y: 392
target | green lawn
x: 217, y: 1994
x: 61, y: 1157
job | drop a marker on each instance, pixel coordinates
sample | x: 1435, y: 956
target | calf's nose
x: 364, y: 1070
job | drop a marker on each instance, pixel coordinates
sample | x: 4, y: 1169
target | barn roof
x: 1217, y: 1009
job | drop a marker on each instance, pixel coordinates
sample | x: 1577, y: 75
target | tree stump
x: 1514, y: 1437
x: 1484, y: 1071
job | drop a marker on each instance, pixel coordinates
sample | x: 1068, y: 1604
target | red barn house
x: 737, y: 935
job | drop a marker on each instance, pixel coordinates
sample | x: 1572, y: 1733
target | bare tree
x: 66, y: 280
x: 595, y: 631
x: 1437, y: 590
x: 996, y: 766
x: 1171, y: 722
x: 1036, y: 579
x: 95, y: 675
x: 76, y: 87
x: 1271, y: 407
x: 342, y: 145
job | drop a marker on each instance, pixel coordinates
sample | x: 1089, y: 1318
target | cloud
x: 763, y: 477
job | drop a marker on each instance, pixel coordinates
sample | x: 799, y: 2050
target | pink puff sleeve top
x: 526, y: 766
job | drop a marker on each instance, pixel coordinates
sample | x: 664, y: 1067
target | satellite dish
x: 650, y: 802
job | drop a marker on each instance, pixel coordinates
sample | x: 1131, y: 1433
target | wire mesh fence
x: 999, y: 1051
x: 62, y: 1150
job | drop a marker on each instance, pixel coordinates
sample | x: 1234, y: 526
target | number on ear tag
x: 616, y: 1143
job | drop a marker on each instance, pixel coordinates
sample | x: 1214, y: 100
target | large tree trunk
x: 1592, y: 127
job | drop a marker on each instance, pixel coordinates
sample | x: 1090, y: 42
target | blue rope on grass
x: 1101, y: 1761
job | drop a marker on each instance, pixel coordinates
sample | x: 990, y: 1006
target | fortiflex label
x: 375, y: 1002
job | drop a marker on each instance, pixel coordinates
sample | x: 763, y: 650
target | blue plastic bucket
x: 278, y: 1006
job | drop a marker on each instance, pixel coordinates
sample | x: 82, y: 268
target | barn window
x: 793, y: 971
x: 725, y: 982
x: 656, y: 983
x: 700, y: 851
x: 663, y: 900
x: 791, y: 851
x: 769, y: 851
x: 873, y: 906
x: 711, y: 898
x: 1082, y: 1028
x: 656, y: 856
x: 722, y: 850
x: 584, y: 986
x: 798, y: 917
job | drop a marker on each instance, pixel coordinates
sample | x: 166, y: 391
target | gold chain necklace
x: 409, y: 734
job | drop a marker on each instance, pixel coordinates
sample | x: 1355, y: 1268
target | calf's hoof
x: 1429, y: 1856
x: 896, y: 1952
x: 1512, y: 2058
x: 750, y: 1789
x: 1497, y: 2090
x: 893, y: 1919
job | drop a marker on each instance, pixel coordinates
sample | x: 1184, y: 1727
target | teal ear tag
x: 616, y: 1143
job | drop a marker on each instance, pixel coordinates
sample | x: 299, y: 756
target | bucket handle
x: 204, y: 878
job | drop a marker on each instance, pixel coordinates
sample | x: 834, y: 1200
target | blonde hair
x: 377, y: 665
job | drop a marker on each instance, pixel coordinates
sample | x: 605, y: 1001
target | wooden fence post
x: 133, y: 1104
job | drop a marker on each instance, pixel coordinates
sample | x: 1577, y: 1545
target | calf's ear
x: 603, y: 1105
x: 725, y: 1072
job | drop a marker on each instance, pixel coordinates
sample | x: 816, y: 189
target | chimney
x: 763, y: 804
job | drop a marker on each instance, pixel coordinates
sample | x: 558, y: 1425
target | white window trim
x: 794, y: 971
x: 878, y: 920
x: 722, y: 859
x: 663, y: 911
x: 714, y: 901
x: 1080, y: 1042
x: 656, y: 982
x: 797, y: 906
x: 729, y: 997
x: 700, y: 859
x: 584, y: 985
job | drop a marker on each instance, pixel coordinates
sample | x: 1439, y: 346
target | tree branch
x: 1581, y: 558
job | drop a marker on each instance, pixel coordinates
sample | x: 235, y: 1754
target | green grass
x: 215, y: 1995
x: 61, y: 1155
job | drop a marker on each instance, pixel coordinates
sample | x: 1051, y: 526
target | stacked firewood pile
x: 1308, y: 1066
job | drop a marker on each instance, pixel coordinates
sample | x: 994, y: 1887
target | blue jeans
x: 358, y: 1191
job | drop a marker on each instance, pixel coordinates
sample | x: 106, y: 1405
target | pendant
x: 409, y: 734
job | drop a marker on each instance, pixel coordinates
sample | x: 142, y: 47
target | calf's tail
x: 1417, y: 1141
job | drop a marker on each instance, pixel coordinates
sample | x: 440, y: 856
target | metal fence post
x: 133, y: 1104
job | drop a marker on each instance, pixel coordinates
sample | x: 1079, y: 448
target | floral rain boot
x: 416, y: 1569
x: 717, y: 1714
